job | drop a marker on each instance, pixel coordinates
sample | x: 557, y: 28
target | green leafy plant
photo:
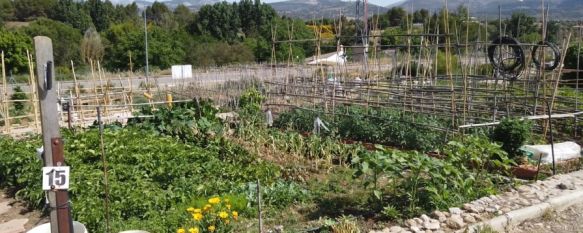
x: 512, y: 134
x: 19, y: 104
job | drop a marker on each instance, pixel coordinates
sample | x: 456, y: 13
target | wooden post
x: 33, y: 90
x: 259, y: 214
x: 53, y: 144
x: 78, y: 102
x: 6, y: 98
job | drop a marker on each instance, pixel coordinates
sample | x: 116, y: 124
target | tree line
x: 215, y: 35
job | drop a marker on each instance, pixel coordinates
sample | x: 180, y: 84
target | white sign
x: 181, y: 71
x: 56, y: 178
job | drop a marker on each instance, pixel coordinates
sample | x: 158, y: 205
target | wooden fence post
x: 60, y: 215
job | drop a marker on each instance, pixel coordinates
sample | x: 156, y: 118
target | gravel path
x: 566, y: 221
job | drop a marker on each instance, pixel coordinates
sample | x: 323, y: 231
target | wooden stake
x: 61, y: 221
x: 6, y: 98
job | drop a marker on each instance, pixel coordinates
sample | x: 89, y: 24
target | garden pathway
x: 15, y: 217
x: 457, y: 219
x: 566, y: 221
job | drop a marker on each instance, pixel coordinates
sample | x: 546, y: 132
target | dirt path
x: 15, y: 217
x: 566, y: 221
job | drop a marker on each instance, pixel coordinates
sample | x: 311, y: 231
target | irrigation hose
x: 556, y: 53
x: 517, y: 52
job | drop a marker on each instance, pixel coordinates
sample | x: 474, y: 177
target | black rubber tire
x: 556, y: 52
x: 516, y: 49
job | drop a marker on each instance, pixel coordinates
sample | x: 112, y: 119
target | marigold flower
x: 215, y: 200
x: 228, y: 206
x: 223, y: 215
x: 193, y: 230
x: 190, y: 209
x: 180, y: 230
x: 197, y: 216
x: 235, y: 215
x: 207, y: 207
x: 212, y: 228
x: 196, y: 211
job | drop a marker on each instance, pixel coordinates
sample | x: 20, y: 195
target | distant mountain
x: 558, y: 9
x: 310, y: 9
x: 192, y: 4
x: 306, y: 9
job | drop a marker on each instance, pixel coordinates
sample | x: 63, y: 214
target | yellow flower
x: 223, y: 215
x: 227, y: 221
x: 180, y: 230
x: 228, y: 206
x: 226, y: 200
x: 197, y: 216
x: 196, y: 211
x: 193, y: 230
x: 215, y: 200
x: 212, y: 228
x: 191, y: 209
x: 207, y: 207
x: 235, y: 215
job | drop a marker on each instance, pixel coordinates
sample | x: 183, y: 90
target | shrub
x: 512, y: 134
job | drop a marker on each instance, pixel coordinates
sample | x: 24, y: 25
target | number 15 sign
x: 55, y: 178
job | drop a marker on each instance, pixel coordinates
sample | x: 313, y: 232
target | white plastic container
x: 46, y: 228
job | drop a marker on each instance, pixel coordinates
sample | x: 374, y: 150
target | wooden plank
x: 49, y: 123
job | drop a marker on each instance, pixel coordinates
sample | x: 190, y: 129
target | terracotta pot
x: 524, y: 171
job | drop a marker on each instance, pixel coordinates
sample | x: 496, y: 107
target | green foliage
x: 163, y: 172
x: 414, y: 183
x: 6, y: 11
x: 383, y: 126
x: 520, y: 24
x: 219, y: 54
x: 19, y: 107
x: 512, y: 134
x: 443, y: 62
x: 101, y: 13
x: 220, y: 20
x: 65, y: 39
x: 251, y: 100
x: 28, y: 9
x: 165, y: 47
x: 189, y: 121
x: 485, y: 69
x: 72, y: 13
x: 15, y: 44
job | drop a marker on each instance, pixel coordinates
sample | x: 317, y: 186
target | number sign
x: 55, y: 178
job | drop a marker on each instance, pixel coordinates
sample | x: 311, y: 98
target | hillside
x: 559, y: 9
x: 309, y: 9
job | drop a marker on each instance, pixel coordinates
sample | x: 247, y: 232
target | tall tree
x: 65, y: 39
x: 6, y: 10
x: 183, y: 16
x: 165, y: 46
x: 520, y: 24
x: 72, y: 13
x: 101, y: 13
x: 14, y: 44
x: 126, y: 13
x: 28, y: 9
x: 161, y: 15
x: 396, y: 16
x: 220, y: 20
